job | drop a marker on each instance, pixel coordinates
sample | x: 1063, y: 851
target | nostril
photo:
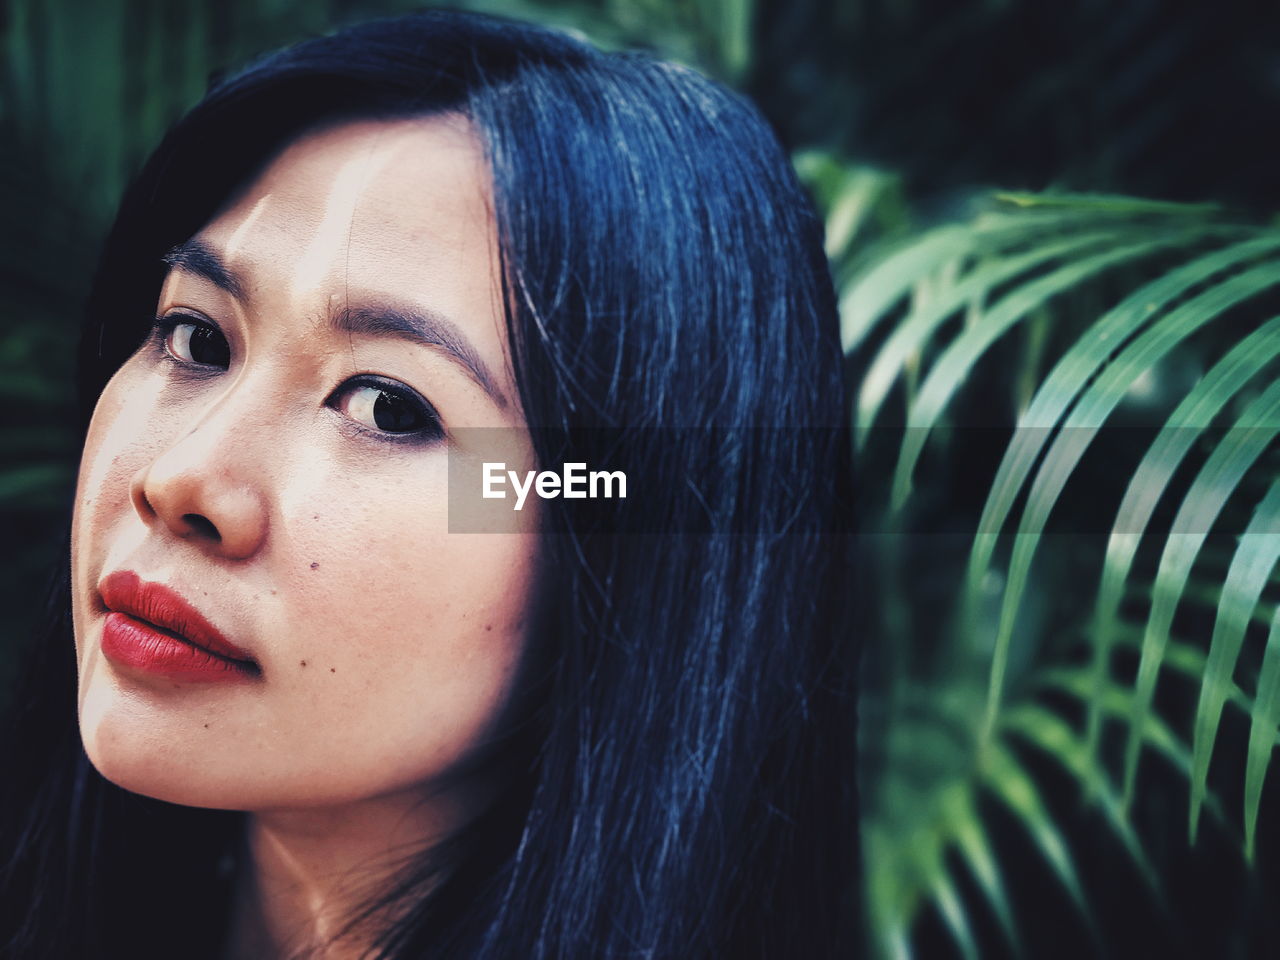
x: 202, y: 526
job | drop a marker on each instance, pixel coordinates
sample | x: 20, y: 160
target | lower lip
x: 130, y: 642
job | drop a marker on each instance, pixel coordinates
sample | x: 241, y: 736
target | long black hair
x: 684, y: 756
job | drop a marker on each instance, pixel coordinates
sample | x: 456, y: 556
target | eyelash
x: 164, y: 327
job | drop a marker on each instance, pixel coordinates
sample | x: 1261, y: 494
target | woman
x: 327, y: 704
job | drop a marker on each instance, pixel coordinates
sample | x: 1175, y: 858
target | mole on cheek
x: 314, y: 565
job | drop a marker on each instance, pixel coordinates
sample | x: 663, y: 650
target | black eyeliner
x: 163, y: 325
x: 433, y: 432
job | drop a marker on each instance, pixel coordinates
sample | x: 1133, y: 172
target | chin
x: 143, y: 754
x: 142, y: 773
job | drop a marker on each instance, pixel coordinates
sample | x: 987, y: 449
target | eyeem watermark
x: 710, y: 480
x: 575, y: 483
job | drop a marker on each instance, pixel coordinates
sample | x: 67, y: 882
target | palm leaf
x: 1053, y: 736
x: 953, y: 912
x: 1118, y: 703
x: 971, y: 840
x: 891, y: 271
x: 1262, y: 733
x: 953, y: 366
x: 1108, y: 202
x: 1199, y: 408
x: 855, y: 199
x: 1251, y: 567
x: 999, y: 272
x: 1083, y: 424
x: 910, y: 336
x: 1240, y: 447
x: 1076, y: 369
x: 869, y: 296
x: 1008, y: 781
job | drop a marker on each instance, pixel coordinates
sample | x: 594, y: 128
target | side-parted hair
x: 681, y: 760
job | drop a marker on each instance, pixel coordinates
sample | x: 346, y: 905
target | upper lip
x: 125, y: 592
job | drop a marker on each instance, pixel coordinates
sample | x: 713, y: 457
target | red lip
x: 153, y: 629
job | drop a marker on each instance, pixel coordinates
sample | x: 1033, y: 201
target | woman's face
x: 266, y: 479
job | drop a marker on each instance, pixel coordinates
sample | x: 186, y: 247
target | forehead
x: 376, y: 209
x: 375, y: 183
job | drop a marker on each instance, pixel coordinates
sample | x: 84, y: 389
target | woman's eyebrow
x: 196, y: 256
x: 424, y: 327
x: 427, y: 328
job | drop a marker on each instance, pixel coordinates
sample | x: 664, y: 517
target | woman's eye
x: 388, y: 408
x: 199, y: 343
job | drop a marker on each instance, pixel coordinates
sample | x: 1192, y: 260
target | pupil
x: 208, y: 347
x: 393, y: 414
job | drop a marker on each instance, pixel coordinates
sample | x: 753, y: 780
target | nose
x: 198, y: 490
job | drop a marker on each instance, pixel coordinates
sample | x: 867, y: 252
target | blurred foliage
x: 1067, y: 417
x: 1065, y: 411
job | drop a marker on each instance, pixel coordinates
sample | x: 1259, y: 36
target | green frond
x: 1251, y: 567
x: 1262, y: 733
x: 1185, y: 661
x: 953, y: 912
x: 953, y: 366
x: 889, y: 892
x: 1240, y: 447
x: 1053, y: 736
x: 1082, y: 425
x: 911, y: 335
x: 1184, y: 427
x: 996, y: 274
x: 1117, y: 703
x: 1074, y: 371
x: 865, y: 300
x: 969, y: 835
x: 1112, y: 203
x: 854, y: 199
x: 892, y: 270
x: 1004, y: 776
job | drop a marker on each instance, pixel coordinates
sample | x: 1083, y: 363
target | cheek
x: 104, y: 462
x: 407, y: 633
x: 375, y: 552
x: 127, y: 430
x: 115, y: 449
